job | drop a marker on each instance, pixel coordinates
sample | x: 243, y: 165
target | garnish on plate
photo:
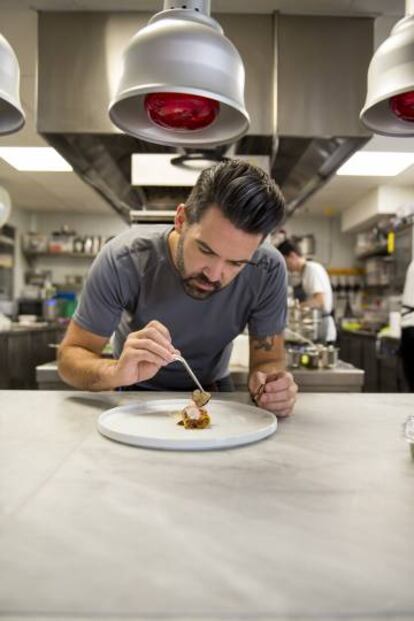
x: 194, y: 415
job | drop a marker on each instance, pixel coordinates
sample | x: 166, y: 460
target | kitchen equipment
x: 304, y: 322
x: 12, y: 115
x: 37, y: 277
x: 7, y: 262
x: 153, y: 424
x: 189, y: 371
x: 293, y: 358
x: 328, y: 356
x: 307, y: 245
x: 35, y: 242
x: 50, y: 309
x: 388, y: 106
x: 310, y: 359
x: 305, y: 157
x: 30, y: 306
x: 408, y: 429
x: 179, y: 99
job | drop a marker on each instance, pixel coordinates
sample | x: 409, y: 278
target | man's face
x: 293, y: 262
x: 211, y: 252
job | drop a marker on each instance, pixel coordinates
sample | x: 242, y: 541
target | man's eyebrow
x: 207, y: 247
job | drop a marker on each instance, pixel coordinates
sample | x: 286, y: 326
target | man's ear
x: 180, y: 218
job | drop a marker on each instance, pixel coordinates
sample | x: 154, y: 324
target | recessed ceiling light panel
x: 376, y: 164
x: 35, y: 159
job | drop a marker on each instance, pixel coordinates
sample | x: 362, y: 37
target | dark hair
x: 244, y: 193
x: 288, y: 246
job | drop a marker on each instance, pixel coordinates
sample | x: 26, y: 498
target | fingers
x: 163, y: 355
x: 153, y: 337
x: 279, y: 394
x: 278, y: 382
x: 157, y: 325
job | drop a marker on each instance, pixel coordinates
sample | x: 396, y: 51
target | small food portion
x: 194, y: 417
x: 201, y: 398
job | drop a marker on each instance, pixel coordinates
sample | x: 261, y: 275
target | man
x: 315, y: 284
x: 407, y: 327
x: 192, y: 289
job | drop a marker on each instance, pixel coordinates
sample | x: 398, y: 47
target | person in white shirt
x: 407, y: 327
x: 315, y: 284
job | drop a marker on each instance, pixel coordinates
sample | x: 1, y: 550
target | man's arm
x: 317, y: 300
x: 268, y: 379
x: 81, y: 365
x: 267, y: 354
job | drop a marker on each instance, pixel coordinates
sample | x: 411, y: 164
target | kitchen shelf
x: 70, y: 255
x: 7, y: 241
x: 380, y: 251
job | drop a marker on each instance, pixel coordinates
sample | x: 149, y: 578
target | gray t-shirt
x: 134, y: 281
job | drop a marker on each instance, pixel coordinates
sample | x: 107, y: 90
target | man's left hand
x: 275, y: 392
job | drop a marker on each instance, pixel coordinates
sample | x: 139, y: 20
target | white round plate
x: 153, y: 424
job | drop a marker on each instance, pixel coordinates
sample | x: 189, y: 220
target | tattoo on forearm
x: 265, y: 343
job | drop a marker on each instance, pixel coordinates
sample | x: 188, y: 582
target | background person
x: 315, y: 284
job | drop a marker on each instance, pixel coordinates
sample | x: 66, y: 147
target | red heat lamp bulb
x: 403, y: 106
x: 180, y: 111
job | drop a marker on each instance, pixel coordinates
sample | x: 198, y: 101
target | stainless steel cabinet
x: 21, y: 352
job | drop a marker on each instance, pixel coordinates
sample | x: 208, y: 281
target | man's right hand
x: 143, y: 354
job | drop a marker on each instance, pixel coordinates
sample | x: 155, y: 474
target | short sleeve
x: 103, y: 296
x: 314, y: 281
x: 270, y: 314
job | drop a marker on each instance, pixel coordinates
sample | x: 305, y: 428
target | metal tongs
x: 192, y: 375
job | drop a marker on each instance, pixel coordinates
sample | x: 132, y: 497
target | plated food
x: 194, y: 415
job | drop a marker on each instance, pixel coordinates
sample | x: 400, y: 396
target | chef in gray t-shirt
x: 189, y: 290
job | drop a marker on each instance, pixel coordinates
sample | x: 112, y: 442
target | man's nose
x: 215, y: 270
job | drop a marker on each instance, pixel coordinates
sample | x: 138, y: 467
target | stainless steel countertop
x: 343, y: 378
x: 314, y: 522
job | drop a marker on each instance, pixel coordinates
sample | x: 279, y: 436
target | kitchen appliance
x: 191, y: 93
x: 32, y: 307
x: 5, y: 203
x: 403, y: 254
x: 11, y: 111
x: 300, y: 71
x: 312, y: 356
x: 304, y: 323
x: 307, y: 245
x: 389, y: 106
x: 7, y: 248
x: 328, y: 356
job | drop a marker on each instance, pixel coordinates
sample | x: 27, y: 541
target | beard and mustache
x: 190, y: 282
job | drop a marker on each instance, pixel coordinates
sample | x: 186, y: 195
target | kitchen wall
x: 19, y: 219
x: 48, y: 222
x: 334, y: 249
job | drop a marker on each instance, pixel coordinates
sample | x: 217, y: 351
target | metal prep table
x: 344, y: 378
x: 314, y: 522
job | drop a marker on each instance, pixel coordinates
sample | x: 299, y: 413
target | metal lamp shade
x: 391, y: 72
x: 181, y: 52
x: 11, y: 112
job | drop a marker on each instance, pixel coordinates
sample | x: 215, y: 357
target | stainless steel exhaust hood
x: 305, y: 85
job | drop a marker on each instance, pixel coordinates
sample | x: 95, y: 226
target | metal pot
x: 310, y: 359
x: 293, y: 358
x: 329, y: 357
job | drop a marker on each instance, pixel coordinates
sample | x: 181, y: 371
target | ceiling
x: 66, y: 192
